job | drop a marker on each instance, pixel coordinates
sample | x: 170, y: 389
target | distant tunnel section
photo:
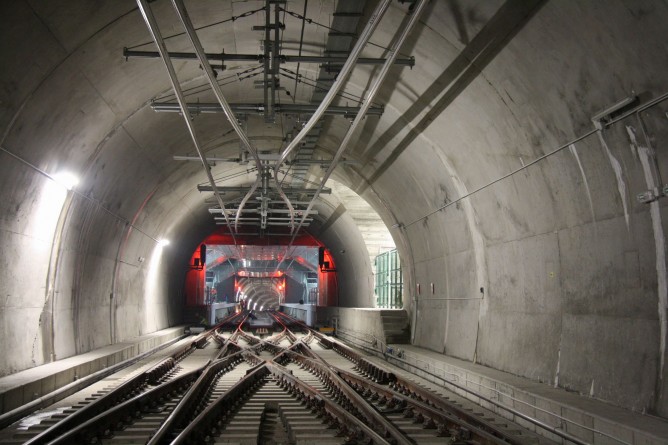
x: 257, y: 273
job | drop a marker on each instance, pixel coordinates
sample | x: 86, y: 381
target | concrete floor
x: 523, y: 244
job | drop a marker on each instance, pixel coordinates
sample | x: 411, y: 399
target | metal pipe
x: 199, y: 50
x: 340, y: 79
x: 329, y: 97
x: 243, y: 202
x: 283, y: 211
x: 394, y: 51
x: 301, y: 44
x: 152, y: 25
x: 275, y: 61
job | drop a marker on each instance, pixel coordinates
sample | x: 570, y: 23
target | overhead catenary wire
x: 365, y: 105
x: 247, y: 73
x: 301, y: 44
x: 231, y: 19
x: 329, y: 28
x: 201, y: 55
x: 313, y: 83
x: 373, y: 90
x: 152, y: 26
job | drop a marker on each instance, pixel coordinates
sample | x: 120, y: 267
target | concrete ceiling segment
x: 570, y: 262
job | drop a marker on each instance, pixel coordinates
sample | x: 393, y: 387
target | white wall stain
x: 646, y: 156
x: 621, y: 185
x: 477, y: 241
x: 574, y: 151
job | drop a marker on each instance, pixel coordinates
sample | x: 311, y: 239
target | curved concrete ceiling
x: 485, y: 160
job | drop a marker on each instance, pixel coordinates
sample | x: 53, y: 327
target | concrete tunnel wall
x: 572, y: 265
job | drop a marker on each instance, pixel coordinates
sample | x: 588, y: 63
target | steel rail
x: 104, y: 424
x: 373, y: 417
x: 352, y: 355
x: 107, y: 401
x: 186, y: 406
x: 488, y: 432
x: 379, y: 374
x: 200, y: 428
x: 328, y: 405
x: 201, y: 56
x: 12, y: 416
x: 152, y: 26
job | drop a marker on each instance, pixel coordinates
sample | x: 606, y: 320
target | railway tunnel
x: 468, y: 193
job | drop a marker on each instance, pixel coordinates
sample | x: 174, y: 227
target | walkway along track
x: 245, y: 384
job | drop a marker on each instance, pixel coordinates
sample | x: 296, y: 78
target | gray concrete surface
x: 572, y: 265
x: 26, y: 386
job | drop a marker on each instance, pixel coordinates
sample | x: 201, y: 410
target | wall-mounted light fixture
x: 66, y: 179
x: 603, y: 117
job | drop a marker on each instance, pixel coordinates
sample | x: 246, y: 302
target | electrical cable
x: 231, y: 19
x: 238, y: 77
x: 314, y: 84
x: 354, y: 36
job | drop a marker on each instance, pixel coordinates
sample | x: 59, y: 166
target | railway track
x: 266, y: 380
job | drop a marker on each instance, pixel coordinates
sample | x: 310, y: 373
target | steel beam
x: 281, y: 211
x: 223, y: 57
x: 197, y: 108
x: 242, y: 189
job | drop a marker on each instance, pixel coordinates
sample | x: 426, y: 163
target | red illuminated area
x: 246, y: 283
x: 195, y: 288
x: 328, y: 290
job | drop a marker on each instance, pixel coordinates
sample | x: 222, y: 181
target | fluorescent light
x: 163, y: 242
x: 66, y: 179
